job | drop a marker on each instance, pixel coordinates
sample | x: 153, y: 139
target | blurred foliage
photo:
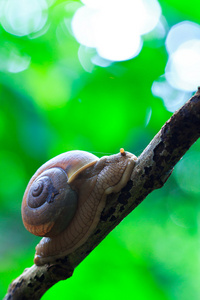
x: 53, y: 106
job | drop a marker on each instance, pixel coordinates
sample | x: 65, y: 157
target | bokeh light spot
x: 18, y: 63
x: 23, y: 17
x: 183, y: 67
x: 100, y: 61
x: 84, y: 55
x: 148, y: 115
x: 182, y: 71
x: 181, y: 33
x: 115, y: 28
x: 172, y: 97
x: 11, y: 60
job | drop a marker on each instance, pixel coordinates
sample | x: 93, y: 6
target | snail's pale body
x: 83, y: 181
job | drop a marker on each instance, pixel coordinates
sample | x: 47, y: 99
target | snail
x: 65, y: 197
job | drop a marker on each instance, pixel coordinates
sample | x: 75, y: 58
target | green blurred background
x: 57, y: 95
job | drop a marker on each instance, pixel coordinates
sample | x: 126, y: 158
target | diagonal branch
x: 152, y: 169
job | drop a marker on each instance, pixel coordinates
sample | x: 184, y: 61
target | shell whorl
x: 49, y: 203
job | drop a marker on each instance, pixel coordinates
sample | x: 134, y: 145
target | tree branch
x: 152, y: 169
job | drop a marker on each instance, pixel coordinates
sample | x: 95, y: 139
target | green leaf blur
x: 54, y: 105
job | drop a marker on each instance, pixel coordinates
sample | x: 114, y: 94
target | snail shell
x: 65, y: 197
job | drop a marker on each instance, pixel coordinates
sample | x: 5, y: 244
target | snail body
x: 65, y: 197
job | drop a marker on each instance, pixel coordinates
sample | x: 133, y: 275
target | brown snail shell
x: 64, y: 199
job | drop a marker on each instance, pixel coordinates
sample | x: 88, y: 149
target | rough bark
x: 153, y: 168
